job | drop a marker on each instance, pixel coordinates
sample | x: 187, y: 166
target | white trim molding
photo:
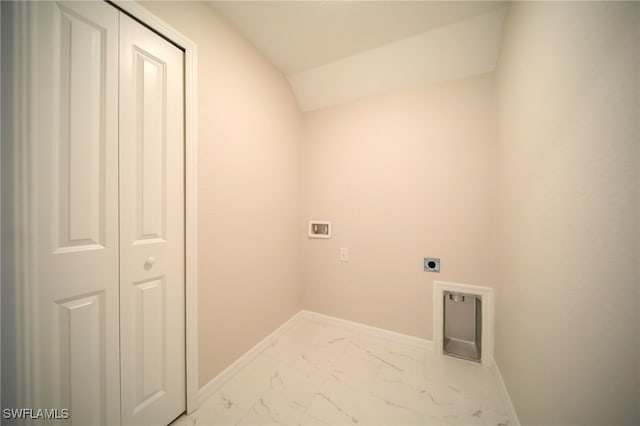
x: 486, y: 293
x: 17, y: 143
x: 369, y: 330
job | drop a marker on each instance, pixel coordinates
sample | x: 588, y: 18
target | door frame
x: 18, y: 143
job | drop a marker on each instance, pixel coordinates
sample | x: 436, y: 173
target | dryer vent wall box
x: 319, y: 229
x: 462, y: 325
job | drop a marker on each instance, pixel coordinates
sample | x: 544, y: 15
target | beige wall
x: 414, y: 174
x: 248, y: 189
x: 401, y: 177
x: 567, y: 214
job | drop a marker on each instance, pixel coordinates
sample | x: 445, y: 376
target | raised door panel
x: 151, y: 149
x: 150, y: 335
x: 74, y: 203
x: 80, y: 335
x: 80, y: 181
x: 151, y: 227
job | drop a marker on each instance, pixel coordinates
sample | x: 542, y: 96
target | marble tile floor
x: 317, y: 373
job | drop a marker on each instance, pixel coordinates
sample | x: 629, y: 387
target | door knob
x: 149, y: 262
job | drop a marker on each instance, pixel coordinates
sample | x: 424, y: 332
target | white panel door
x: 152, y: 317
x: 74, y: 201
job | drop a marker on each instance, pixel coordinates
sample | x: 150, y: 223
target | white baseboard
x: 216, y: 383
x: 504, y: 394
x: 369, y: 330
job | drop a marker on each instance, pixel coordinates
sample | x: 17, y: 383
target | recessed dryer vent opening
x: 462, y: 325
x: 463, y: 321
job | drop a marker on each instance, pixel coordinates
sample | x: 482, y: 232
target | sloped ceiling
x: 334, y: 52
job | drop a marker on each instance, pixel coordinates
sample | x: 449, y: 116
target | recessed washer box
x: 319, y: 229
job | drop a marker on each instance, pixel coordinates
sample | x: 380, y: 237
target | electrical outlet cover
x: 432, y: 264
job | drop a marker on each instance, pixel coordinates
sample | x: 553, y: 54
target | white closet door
x: 152, y: 317
x: 74, y: 207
